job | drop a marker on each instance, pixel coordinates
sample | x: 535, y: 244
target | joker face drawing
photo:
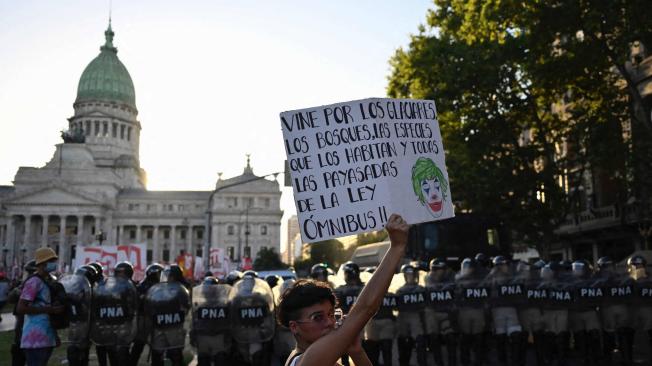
x: 430, y: 186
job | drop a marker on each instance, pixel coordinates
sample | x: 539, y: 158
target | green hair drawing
x: 425, y: 169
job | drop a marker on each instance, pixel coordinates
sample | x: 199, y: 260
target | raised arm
x: 328, y: 349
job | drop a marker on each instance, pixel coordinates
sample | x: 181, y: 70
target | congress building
x: 93, y: 190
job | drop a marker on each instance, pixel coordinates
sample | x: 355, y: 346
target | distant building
x: 94, y: 184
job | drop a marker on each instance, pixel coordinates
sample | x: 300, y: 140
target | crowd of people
x: 490, y: 307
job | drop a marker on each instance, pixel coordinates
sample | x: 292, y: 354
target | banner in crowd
x: 110, y: 255
x: 353, y: 164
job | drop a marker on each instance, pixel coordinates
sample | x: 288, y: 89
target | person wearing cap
x: 39, y: 337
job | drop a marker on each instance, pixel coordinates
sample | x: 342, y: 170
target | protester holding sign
x: 307, y: 309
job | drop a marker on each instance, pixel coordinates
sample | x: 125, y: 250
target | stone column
x: 63, y: 259
x: 80, y: 231
x: 11, y: 241
x: 27, y: 238
x: 155, y: 252
x: 173, y: 243
x: 97, y: 226
x: 110, y: 238
x: 44, y: 230
x: 139, y: 235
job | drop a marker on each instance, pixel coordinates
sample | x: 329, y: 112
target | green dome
x: 106, y: 78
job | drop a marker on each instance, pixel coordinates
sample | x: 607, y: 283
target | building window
x: 88, y: 128
x: 263, y: 229
x: 150, y: 234
x: 232, y: 201
x: 149, y: 255
x: 200, y: 234
x: 182, y: 234
x: 132, y: 234
x: 267, y: 202
x: 166, y: 255
x: 150, y: 207
x: 181, y: 208
x: 249, y: 202
x: 105, y: 129
x: 122, y: 132
x: 97, y: 128
x: 230, y: 230
x: 129, y: 134
x: 247, y: 252
x: 114, y: 130
x: 199, y: 252
x: 166, y: 234
x: 230, y: 252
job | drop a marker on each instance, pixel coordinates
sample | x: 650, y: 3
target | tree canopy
x: 532, y: 95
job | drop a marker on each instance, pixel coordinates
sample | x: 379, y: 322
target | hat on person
x: 43, y: 255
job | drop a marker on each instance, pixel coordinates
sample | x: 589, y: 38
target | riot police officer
x: 78, y: 291
x: 410, y: 321
x: 583, y: 317
x: 642, y: 304
x: 233, y: 277
x: 152, y: 277
x: 529, y: 311
x: 472, y: 294
x: 556, y: 297
x: 113, y: 318
x: 507, y: 294
x: 210, y: 322
x: 319, y: 272
x: 273, y: 280
x: 252, y: 306
x: 348, y: 293
x: 613, y: 310
x: 167, y: 304
x: 440, y: 312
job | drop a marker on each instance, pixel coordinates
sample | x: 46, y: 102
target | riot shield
x: 210, y: 309
x: 166, y: 305
x: 252, y: 307
x: 78, y: 293
x: 113, y: 320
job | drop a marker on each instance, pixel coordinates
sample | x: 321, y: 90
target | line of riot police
x: 231, y: 323
x: 500, y: 305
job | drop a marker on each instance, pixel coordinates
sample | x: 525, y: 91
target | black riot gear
x: 210, y: 332
x: 438, y: 263
x: 250, y: 273
x: 210, y: 280
x: 410, y: 274
x: 125, y: 269
x: 233, y: 277
x: 88, y: 272
x: 272, y: 280
x: 153, y: 272
x: 78, y: 294
x: 319, y: 272
x: 99, y: 268
x: 411, y: 330
x: 351, y: 273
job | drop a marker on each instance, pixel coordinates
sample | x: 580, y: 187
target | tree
x: 372, y: 237
x: 327, y: 251
x: 268, y: 259
x: 529, y: 99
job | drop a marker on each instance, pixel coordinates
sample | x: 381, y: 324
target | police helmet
x: 98, y: 267
x: 371, y: 269
x: 30, y: 267
x: 566, y: 265
x: 539, y: 264
x: 87, y: 271
x: 233, y: 277
x: 636, y: 261
x: 124, y: 269
x: 250, y: 273
x: 500, y: 260
x: 153, y: 271
x: 319, y: 270
x: 482, y: 259
x: 409, y: 268
x: 437, y: 263
x: 175, y: 272
x: 210, y: 280
x: 272, y: 280
x: 350, y: 267
x: 208, y: 274
x: 547, y: 272
x: 581, y: 268
x: 604, y: 262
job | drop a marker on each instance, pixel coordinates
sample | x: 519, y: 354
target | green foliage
x: 516, y: 83
x: 330, y: 252
x: 268, y: 259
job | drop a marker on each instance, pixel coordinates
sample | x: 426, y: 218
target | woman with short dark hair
x: 308, y: 310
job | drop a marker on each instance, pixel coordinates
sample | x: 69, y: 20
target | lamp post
x: 209, y: 212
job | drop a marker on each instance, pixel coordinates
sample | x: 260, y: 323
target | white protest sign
x: 353, y: 164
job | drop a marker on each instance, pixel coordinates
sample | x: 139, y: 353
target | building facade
x: 93, y: 190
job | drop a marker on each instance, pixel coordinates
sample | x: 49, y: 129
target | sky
x: 211, y: 77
